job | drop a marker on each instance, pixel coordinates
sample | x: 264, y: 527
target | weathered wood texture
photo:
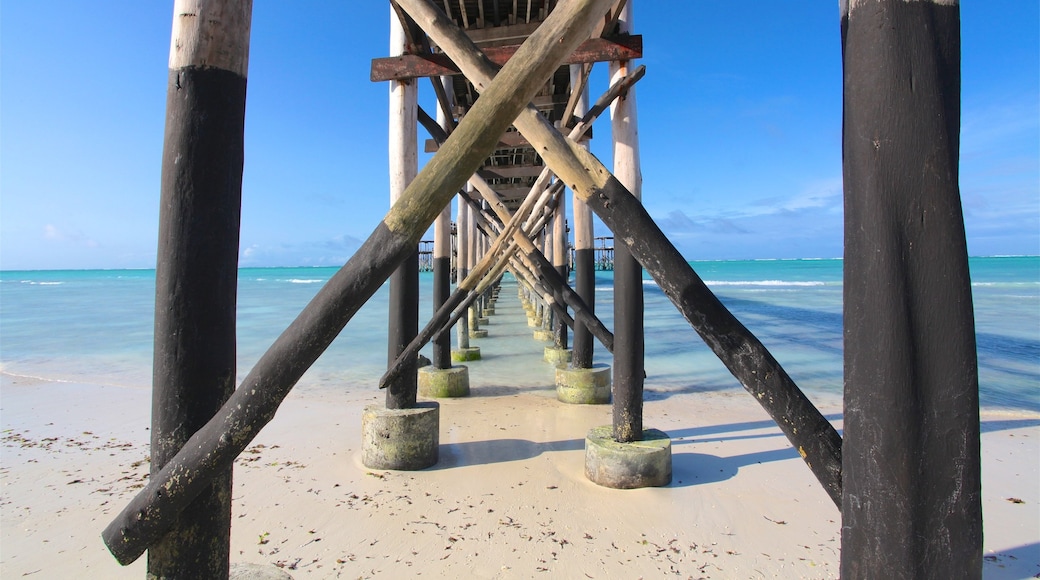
x: 584, y: 268
x: 742, y: 353
x: 912, y: 502
x: 409, y: 66
x: 403, y: 303
x: 628, y: 372
x: 441, y: 351
x: 213, y: 448
x: 197, y: 267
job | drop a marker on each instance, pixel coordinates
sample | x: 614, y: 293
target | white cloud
x: 74, y: 237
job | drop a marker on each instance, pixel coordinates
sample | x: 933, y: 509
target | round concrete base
x: 444, y: 383
x: 583, y: 386
x: 543, y: 335
x: 557, y: 356
x: 646, y: 463
x: 478, y: 333
x: 246, y: 571
x: 483, y: 319
x: 402, y: 439
x: 534, y: 321
x: 465, y: 354
x: 490, y: 311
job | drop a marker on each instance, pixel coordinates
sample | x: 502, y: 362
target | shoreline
x: 508, y: 498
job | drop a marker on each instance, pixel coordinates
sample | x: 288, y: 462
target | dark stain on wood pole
x: 403, y: 319
x: 585, y: 287
x: 401, y: 393
x: 628, y: 371
x: 197, y: 270
x: 911, y: 506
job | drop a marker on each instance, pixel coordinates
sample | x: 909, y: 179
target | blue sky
x: 740, y: 129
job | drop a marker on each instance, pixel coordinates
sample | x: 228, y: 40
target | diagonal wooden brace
x: 744, y: 355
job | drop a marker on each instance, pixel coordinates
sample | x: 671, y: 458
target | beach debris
x: 1015, y: 500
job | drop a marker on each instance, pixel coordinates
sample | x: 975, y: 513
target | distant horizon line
x: 240, y: 267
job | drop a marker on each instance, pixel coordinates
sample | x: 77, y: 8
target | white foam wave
x: 303, y: 281
x: 764, y: 283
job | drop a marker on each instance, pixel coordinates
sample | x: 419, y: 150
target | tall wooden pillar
x: 628, y: 275
x: 559, y: 261
x: 911, y: 502
x: 462, y: 237
x: 404, y: 282
x: 196, y: 273
x: 442, y: 258
x: 584, y: 253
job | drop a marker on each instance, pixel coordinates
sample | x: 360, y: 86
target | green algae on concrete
x: 583, y: 386
x: 557, y: 356
x: 401, y: 439
x: 444, y: 383
x: 644, y: 463
x: 465, y: 354
x: 543, y: 335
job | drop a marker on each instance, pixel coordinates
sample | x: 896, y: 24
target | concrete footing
x: 465, y: 354
x: 490, y: 311
x: 646, y: 463
x: 248, y: 571
x: 483, y: 319
x: 401, y: 439
x: 444, y: 383
x: 557, y: 356
x: 583, y: 386
x: 534, y: 321
x: 478, y: 333
x: 543, y: 335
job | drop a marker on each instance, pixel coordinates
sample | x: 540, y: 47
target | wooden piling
x: 628, y: 274
x: 213, y: 448
x: 911, y: 505
x: 584, y: 267
x: 403, y: 320
x: 463, y: 234
x: 442, y: 248
x: 196, y: 273
x: 560, y: 262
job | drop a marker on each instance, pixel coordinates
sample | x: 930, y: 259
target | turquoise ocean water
x: 95, y: 326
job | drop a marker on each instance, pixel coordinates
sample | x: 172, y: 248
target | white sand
x: 508, y: 498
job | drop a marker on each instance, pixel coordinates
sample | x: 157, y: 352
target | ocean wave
x: 303, y: 281
x: 1007, y: 284
x: 764, y: 283
x: 35, y: 283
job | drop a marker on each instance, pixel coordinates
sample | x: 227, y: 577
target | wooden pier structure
x: 906, y: 473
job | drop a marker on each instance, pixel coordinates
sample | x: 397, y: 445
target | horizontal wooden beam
x: 508, y: 140
x: 410, y: 66
x: 510, y: 171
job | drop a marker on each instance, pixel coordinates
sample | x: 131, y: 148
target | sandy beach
x: 508, y: 498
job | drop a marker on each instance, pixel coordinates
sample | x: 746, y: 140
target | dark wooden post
x: 404, y: 282
x: 911, y: 503
x: 196, y: 272
x: 584, y: 258
x: 559, y: 261
x: 628, y: 274
x: 442, y: 256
